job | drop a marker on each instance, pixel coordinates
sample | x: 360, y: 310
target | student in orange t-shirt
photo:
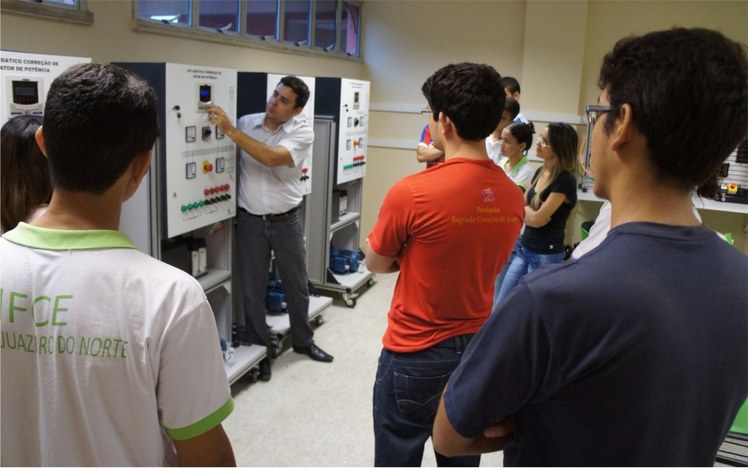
x: 448, y: 231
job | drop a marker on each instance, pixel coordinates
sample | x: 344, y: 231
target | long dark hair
x: 24, y: 170
x: 563, y: 140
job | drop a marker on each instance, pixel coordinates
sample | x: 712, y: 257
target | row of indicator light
x: 216, y: 190
x: 357, y: 161
x: 206, y: 202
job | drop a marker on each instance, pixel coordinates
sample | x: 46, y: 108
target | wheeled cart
x: 337, y: 221
x: 280, y: 325
x: 246, y: 360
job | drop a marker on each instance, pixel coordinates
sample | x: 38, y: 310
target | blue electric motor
x: 343, y: 261
x: 275, y: 298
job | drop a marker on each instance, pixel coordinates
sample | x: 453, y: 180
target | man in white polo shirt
x: 109, y: 356
x: 273, y: 146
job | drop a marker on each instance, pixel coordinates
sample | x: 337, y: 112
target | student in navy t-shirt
x: 636, y: 354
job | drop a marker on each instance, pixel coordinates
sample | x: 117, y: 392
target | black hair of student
x: 688, y: 89
x: 512, y: 105
x: 97, y: 119
x: 521, y: 132
x: 470, y: 95
x: 24, y: 172
x: 299, y: 87
x: 511, y: 84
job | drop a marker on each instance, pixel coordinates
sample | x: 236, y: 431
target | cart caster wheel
x: 317, y: 321
x: 370, y: 282
x: 254, y: 375
x: 350, y: 300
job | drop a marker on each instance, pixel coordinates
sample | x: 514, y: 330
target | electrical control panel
x: 26, y: 78
x: 347, y: 102
x: 255, y: 90
x: 200, y: 162
x: 196, y: 162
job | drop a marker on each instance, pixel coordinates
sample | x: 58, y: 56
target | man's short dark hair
x: 299, y: 87
x: 688, y: 89
x: 97, y: 119
x: 469, y: 94
x: 512, y: 105
x: 511, y: 84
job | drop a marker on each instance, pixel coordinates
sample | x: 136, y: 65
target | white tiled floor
x: 318, y: 414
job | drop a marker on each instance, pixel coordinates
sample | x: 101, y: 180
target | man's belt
x: 272, y: 216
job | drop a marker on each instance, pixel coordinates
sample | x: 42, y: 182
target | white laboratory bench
x: 724, y: 217
x: 699, y: 202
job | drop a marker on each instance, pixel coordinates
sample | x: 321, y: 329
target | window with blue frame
x: 61, y: 3
x: 330, y: 26
x: 73, y: 11
x: 166, y: 11
x: 296, y: 21
x: 219, y: 15
x: 262, y: 18
x: 349, y: 24
x: 325, y: 24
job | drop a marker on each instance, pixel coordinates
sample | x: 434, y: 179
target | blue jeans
x: 406, y: 396
x: 500, y: 277
x: 256, y: 238
x: 523, y: 262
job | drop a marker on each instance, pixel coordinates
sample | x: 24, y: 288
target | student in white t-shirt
x: 512, y: 88
x: 516, y: 138
x: 109, y: 356
x: 493, y: 141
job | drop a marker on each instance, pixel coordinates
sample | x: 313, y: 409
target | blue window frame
x: 330, y: 26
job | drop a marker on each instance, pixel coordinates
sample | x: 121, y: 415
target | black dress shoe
x: 314, y: 352
x: 265, y: 373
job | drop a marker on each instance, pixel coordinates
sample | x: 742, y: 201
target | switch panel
x: 192, y: 153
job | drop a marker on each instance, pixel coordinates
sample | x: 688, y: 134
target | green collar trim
x: 522, y: 161
x: 63, y: 240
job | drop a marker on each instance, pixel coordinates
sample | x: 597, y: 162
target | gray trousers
x: 256, y: 238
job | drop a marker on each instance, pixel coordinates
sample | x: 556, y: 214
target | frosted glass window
x: 296, y: 18
x: 166, y: 11
x: 349, y: 28
x: 262, y: 18
x: 221, y: 15
x: 325, y: 24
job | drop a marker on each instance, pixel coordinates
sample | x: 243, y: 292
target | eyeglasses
x: 593, y: 113
x: 543, y: 143
x: 426, y: 112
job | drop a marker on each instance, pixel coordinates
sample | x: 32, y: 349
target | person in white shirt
x: 493, y: 141
x: 273, y: 144
x: 516, y: 138
x: 512, y: 88
x: 109, y: 356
